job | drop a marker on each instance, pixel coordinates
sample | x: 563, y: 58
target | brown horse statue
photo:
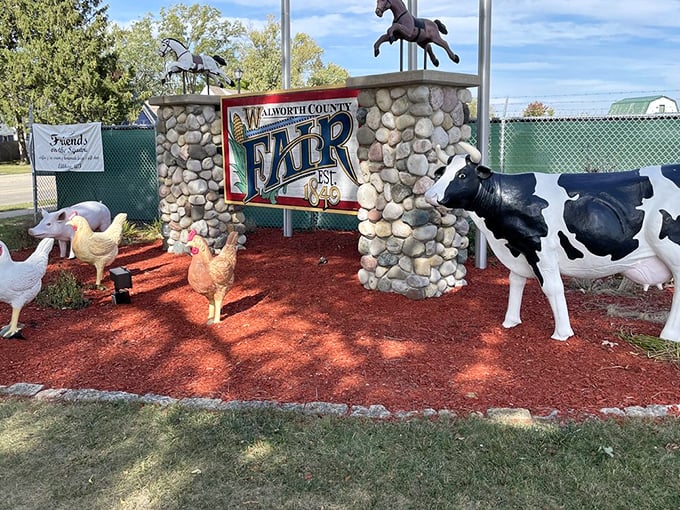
x: 418, y: 30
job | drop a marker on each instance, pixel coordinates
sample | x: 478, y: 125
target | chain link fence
x: 130, y: 184
x: 583, y: 144
x: 302, y: 220
x: 517, y: 144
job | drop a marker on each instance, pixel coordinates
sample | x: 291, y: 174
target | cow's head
x: 457, y: 183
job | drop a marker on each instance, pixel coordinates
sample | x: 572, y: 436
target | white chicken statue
x: 20, y: 282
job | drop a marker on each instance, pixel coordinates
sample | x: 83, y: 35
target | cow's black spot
x: 513, y: 212
x: 670, y: 227
x: 604, y: 216
x: 570, y: 250
x: 672, y: 172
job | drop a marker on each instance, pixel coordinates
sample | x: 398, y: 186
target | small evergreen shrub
x: 141, y: 232
x: 65, y: 292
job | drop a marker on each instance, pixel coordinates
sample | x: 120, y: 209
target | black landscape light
x: 122, y: 281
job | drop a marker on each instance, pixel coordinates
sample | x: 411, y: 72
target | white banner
x: 68, y: 148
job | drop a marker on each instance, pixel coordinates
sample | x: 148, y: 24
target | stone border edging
x: 376, y: 411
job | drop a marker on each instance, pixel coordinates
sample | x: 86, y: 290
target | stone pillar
x: 406, y: 246
x: 190, y: 165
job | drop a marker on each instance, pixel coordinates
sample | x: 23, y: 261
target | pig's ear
x: 43, y: 212
x: 62, y: 216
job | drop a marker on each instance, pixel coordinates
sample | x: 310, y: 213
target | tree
x: 538, y: 109
x: 473, y: 110
x: 57, y: 58
x: 202, y: 29
x: 261, y: 61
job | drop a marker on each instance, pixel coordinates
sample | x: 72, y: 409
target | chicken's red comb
x: 74, y: 213
x: 192, y: 234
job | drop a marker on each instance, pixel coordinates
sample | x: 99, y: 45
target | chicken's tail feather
x: 42, y: 252
x: 116, y: 228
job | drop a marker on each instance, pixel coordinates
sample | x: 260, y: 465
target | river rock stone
x: 404, y: 244
x: 424, y: 250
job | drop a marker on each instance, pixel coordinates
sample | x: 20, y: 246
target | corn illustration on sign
x: 294, y: 150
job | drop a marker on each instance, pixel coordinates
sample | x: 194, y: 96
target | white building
x: 648, y: 105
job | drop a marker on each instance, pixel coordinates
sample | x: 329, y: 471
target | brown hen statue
x: 212, y: 276
x: 96, y: 248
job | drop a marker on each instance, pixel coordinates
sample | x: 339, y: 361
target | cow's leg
x: 671, y: 331
x: 512, y: 314
x: 553, y: 288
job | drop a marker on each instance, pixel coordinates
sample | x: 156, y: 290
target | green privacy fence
x: 129, y: 183
x: 583, y: 144
x: 301, y: 220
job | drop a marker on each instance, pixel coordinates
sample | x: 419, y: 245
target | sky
x: 576, y: 56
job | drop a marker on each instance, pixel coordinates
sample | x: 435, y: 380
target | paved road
x: 18, y: 189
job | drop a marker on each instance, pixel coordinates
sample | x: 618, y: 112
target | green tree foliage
x: 473, y: 110
x: 261, y: 61
x: 57, y: 57
x: 538, y: 109
x: 200, y: 28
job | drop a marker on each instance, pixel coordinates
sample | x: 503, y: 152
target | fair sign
x: 295, y: 150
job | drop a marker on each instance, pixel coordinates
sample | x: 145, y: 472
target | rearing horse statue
x: 418, y: 30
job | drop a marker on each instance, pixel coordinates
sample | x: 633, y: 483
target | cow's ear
x: 483, y: 172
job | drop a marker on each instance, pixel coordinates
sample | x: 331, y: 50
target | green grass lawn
x: 14, y: 232
x: 11, y: 168
x: 125, y: 456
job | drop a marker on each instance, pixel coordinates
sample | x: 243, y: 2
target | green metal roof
x: 633, y: 105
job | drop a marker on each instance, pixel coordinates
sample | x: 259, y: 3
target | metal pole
x: 483, y: 124
x: 502, y: 142
x: 31, y: 156
x: 413, y: 47
x: 285, y: 67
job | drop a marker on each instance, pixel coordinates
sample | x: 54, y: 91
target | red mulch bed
x: 295, y: 330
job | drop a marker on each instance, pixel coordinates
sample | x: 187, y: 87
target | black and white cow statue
x: 579, y: 225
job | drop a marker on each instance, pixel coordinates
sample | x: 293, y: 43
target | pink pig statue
x: 53, y: 224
